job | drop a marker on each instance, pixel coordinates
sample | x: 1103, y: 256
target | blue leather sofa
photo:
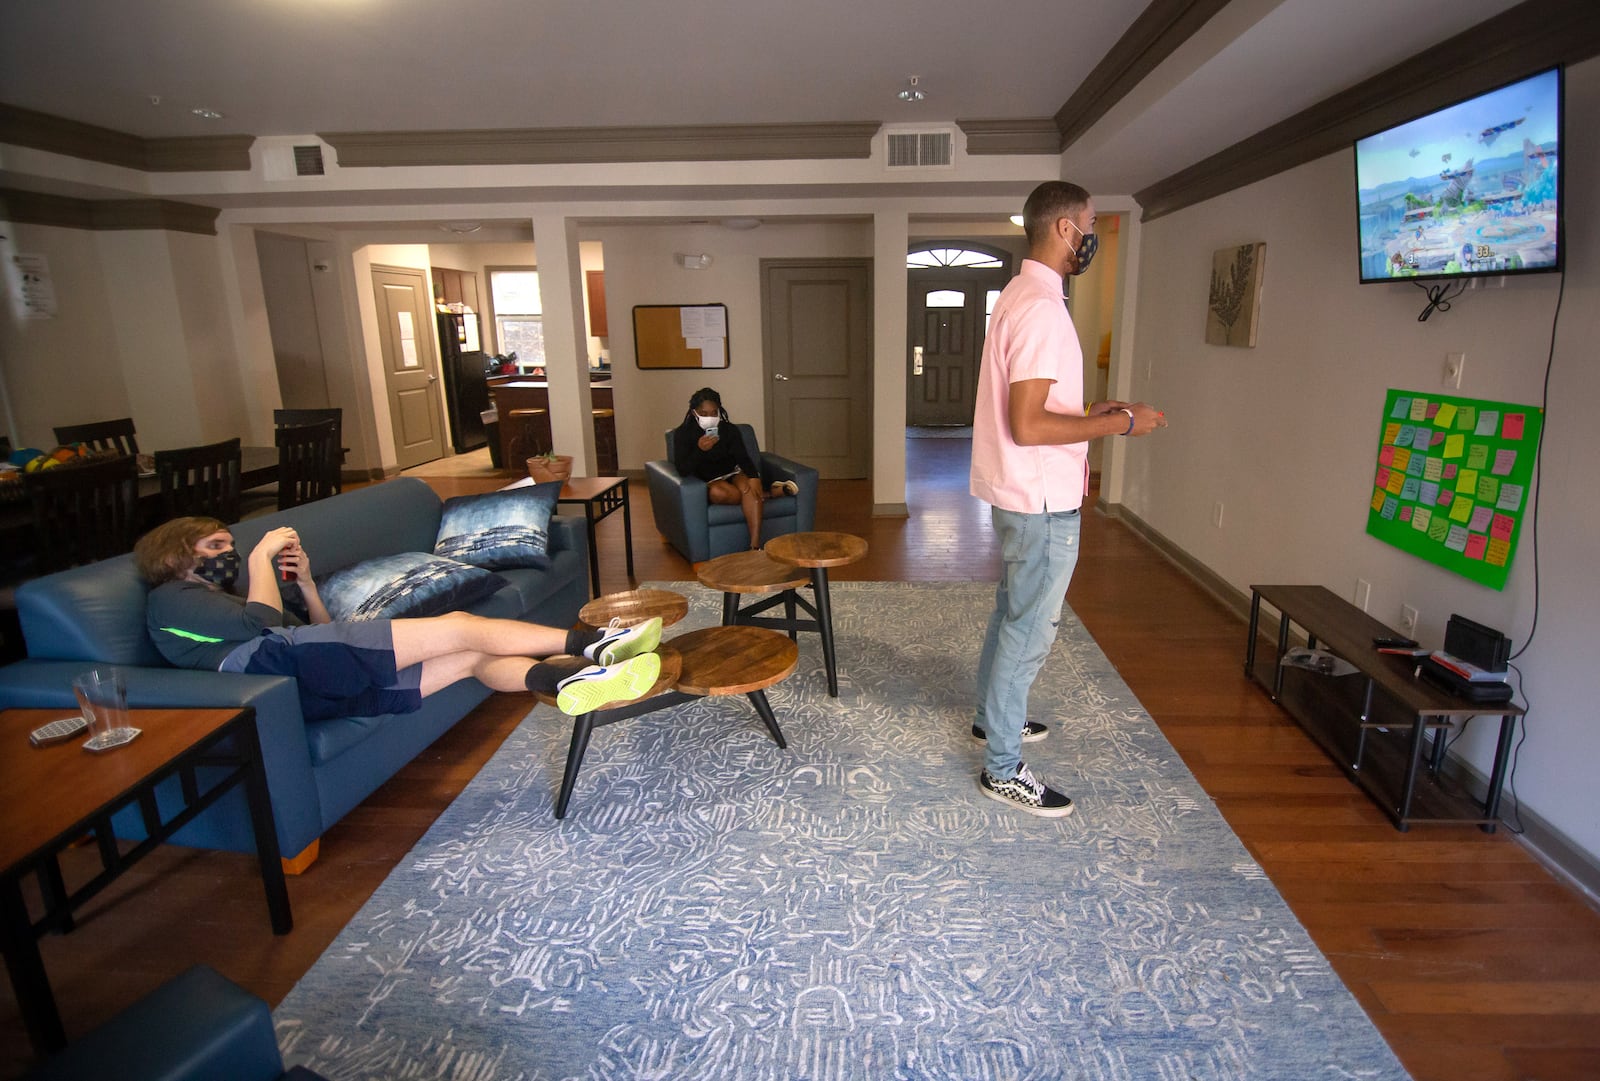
x: 198, y: 1026
x: 317, y: 771
x: 701, y: 530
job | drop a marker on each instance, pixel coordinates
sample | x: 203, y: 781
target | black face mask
x: 1086, y: 249
x: 222, y: 570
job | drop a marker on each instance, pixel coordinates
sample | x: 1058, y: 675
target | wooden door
x: 410, y: 365
x: 817, y: 334
x: 947, y: 317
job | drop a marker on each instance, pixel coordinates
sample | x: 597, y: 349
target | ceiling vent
x: 308, y: 160
x: 923, y: 148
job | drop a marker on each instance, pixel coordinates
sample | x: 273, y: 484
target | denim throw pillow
x: 509, y: 528
x: 409, y: 585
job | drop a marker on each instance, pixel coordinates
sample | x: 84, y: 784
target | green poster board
x: 1453, y: 480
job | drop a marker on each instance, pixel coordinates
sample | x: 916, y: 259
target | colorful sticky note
x: 1488, y: 422
x: 1467, y: 481
x: 1391, y: 506
x: 1391, y: 432
x: 1438, y: 528
x: 1505, y: 461
x: 1383, y: 477
x: 1436, y: 439
x: 1429, y: 493
x: 1419, y: 409
x: 1461, y: 510
x: 1397, y: 480
x: 1499, y: 552
x: 1453, y: 445
x: 1501, y: 527
x: 1425, y: 438
x: 1488, y: 489
x: 1475, y: 546
x: 1434, y: 469
x: 1408, y: 490
x: 1386, y: 456
x: 1480, y: 519
x: 1407, y: 436
x: 1510, y: 497
x: 1512, y: 429
x: 1417, y: 465
x: 1467, y: 418
x: 1421, y: 518
x: 1445, y: 496
x: 1401, y: 459
x: 1405, y: 512
x: 1402, y: 408
x: 1378, y: 496
x: 1478, y: 455
x: 1450, y: 471
x: 1445, y: 417
x: 1456, y: 539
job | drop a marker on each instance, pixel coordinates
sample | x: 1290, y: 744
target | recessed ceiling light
x: 206, y: 114
x: 911, y: 91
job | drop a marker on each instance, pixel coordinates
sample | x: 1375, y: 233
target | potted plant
x: 547, y: 467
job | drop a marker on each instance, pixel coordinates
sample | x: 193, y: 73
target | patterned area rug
x: 714, y: 907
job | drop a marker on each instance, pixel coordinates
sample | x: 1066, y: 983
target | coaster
x: 108, y: 741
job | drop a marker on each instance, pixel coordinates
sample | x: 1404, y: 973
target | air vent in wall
x: 308, y: 160
x: 920, y: 149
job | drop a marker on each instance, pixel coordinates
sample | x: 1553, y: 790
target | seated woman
x: 367, y: 668
x: 707, y: 446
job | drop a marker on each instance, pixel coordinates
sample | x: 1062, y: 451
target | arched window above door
x: 939, y: 256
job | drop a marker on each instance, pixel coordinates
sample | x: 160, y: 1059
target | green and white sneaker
x: 607, y: 684
x: 618, y: 643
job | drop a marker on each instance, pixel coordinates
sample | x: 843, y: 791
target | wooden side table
x: 51, y: 796
x: 711, y: 662
x: 635, y: 606
x: 817, y: 552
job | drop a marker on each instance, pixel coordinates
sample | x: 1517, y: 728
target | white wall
x: 1285, y: 434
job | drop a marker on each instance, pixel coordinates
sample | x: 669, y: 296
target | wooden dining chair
x: 101, y: 435
x: 308, y: 463
x: 83, y: 513
x: 292, y: 418
x: 200, y: 481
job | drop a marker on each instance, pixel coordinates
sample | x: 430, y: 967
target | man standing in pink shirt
x: 1030, y: 435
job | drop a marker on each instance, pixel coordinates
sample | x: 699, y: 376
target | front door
x: 817, y: 331
x: 948, y: 316
x: 410, y: 365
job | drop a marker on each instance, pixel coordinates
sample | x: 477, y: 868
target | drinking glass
x: 103, y: 697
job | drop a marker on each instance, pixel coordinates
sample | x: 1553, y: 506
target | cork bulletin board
x: 680, y: 335
x: 1452, y: 481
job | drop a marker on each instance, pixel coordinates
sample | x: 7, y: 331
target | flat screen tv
x: 1471, y: 190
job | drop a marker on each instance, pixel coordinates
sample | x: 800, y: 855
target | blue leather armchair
x: 702, y: 530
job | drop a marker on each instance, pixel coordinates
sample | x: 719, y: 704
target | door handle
x: 432, y: 378
x: 916, y: 360
x: 780, y: 377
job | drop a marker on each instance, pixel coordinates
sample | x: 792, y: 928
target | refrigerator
x: 466, y: 386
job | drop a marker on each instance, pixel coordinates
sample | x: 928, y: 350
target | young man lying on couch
x: 353, y: 669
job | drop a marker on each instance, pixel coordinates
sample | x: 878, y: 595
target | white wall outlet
x: 1453, y: 363
x: 1363, y: 593
x: 1216, y: 514
x: 1408, y: 621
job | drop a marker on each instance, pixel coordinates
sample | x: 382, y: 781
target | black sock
x: 581, y: 638
x: 545, y: 676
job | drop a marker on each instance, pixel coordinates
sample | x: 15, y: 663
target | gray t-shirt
x: 196, y: 626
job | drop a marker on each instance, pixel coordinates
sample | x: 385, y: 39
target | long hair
x: 166, y: 553
x: 699, y: 398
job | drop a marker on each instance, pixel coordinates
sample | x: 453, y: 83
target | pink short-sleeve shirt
x: 1030, y: 337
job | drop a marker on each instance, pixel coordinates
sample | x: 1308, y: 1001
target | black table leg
x: 1283, y: 647
x: 1417, y: 730
x: 594, y: 553
x: 1255, y: 627
x: 259, y: 796
x: 581, y: 728
x: 627, y: 528
x: 1497, y: 776
x: 819, y: 580
x: 763, y: 707
x: 32, y: 987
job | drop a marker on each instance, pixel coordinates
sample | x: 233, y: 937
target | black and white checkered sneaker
x: 1032, y: 732
x: 1027, y: 793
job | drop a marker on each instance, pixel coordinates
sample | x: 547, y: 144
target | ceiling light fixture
x: 206, y: 114
x: 1016, y: 219
x: 911, y: 91
x: 741, y: 223
x: 461, y: 228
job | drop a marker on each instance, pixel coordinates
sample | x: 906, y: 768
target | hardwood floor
x: 1474, y: 962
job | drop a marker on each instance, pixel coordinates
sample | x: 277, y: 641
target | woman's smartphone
x: 284, y: 572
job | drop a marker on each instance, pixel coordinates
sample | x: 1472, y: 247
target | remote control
x: 56, y: 731
x: 1395, y: 641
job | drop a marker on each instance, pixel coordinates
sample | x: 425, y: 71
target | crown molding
x: 557, y: 146
x: 1025, y: 136
x: 1155, y: 35
x: 37, y: 208
x: 1533, y: 35
x: 58, y: 135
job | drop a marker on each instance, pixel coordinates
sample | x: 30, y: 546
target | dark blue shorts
x: 341, y: 669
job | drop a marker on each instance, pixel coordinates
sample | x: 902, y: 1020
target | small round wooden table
x: 712, y: 662
x: 750, y: 573
x: 635, y: 606
x: 817, y: 552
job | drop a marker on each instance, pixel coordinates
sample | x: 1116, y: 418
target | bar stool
x: 524, y: 433
x: 605, y: 440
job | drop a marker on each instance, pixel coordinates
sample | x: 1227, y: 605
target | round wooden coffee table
x: 816, y: 552
x: 749, y: 573
x: 635, y: 606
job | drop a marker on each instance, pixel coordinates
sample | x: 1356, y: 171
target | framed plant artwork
x: 1234, y: 307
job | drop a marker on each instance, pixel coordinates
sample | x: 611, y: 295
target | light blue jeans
x: 1038, y: 553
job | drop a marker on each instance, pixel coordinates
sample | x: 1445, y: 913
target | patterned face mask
x: 1085, y: 250
x: 221, y: 571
